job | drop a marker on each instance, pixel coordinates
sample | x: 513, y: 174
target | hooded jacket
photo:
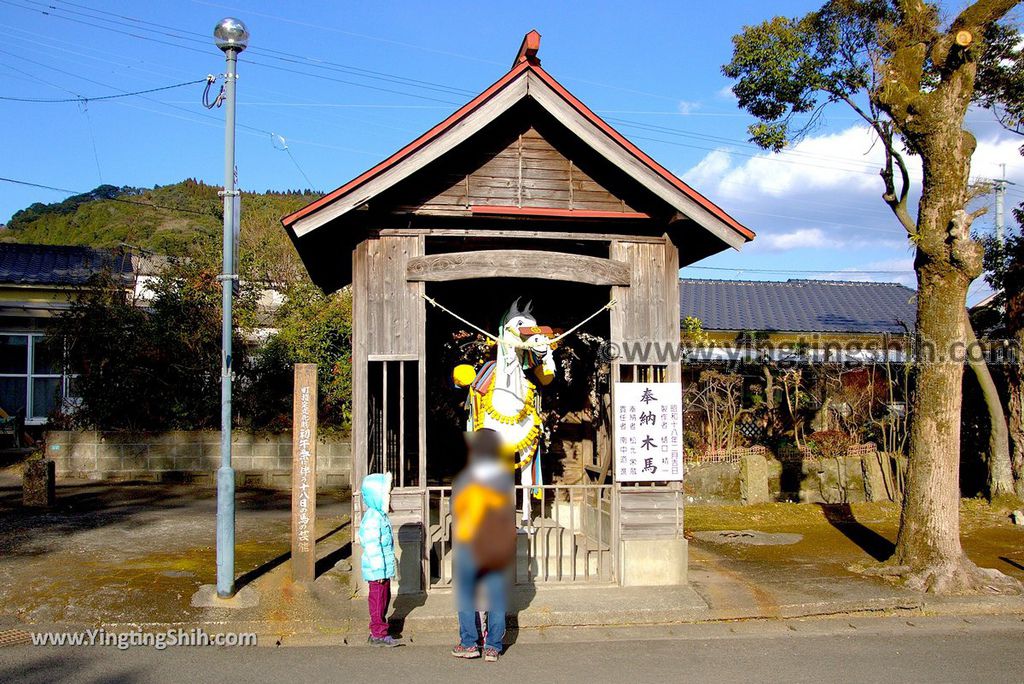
x: 375, y: 535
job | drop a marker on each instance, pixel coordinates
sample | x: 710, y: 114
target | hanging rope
x: 519, y: 345
x: 608, y: 306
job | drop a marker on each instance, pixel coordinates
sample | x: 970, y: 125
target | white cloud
x: 993, y: 151
x: 847, y: 160
x: 688, y: 106
x: 896, y: 270
x: 801, y: 238
x: 829, y: 238
x: 725, y: 92
x: 819, y: 208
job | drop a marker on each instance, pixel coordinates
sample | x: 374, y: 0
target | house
x: 37, y: 283
x: 810, y: 320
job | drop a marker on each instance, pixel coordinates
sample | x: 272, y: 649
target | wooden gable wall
x: 524, y: 171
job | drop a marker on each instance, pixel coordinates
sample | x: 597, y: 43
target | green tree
x: 311, y: 328
x: 148, y: 365
x: 909, y: 73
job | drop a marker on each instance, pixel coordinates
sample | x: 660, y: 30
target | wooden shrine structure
x: 523, y: 184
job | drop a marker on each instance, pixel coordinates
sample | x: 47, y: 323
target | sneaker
x: 467, y: 652
x: 384, y: 642
x: 491, y: 655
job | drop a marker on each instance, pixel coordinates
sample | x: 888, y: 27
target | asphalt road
x: 836, y: 650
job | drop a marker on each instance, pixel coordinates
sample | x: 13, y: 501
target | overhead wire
x: 151, y: 205
x: 128, y: 21
x: 99, y: 98
x: 284, y: 56
x: 133, y: 66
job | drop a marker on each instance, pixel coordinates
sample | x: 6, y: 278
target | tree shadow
x: 841, y: 517
x: 1012, y: 563
x: 791, y: 477
x: 82, y: 507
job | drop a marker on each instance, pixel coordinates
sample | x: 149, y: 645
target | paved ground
x: 867, y: 650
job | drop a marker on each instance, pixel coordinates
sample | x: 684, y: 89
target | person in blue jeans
x: 485, y: 537
x: 467, y: 577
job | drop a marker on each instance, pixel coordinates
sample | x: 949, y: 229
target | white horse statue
x: 503, y: 398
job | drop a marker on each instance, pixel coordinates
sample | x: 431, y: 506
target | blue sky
x: 397, y: 68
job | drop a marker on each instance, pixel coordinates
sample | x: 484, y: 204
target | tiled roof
x: 799, y: 305
x: 22, y: 264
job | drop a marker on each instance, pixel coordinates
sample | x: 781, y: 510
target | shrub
x: 829, y: 443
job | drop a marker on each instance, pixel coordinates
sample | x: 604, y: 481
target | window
x: 30, y: 377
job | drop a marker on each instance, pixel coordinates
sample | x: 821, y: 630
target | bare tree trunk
x: 928, y: 544
x: 1000, y: 473
x: 928, y: 551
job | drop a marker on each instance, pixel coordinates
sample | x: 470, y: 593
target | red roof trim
x: 480, y: 99
x: 528, y: 50
x: 640, y: 154
x: 416, y: 144
x: 547, y: 212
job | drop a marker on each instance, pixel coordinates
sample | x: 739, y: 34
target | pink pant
x: 380, y: 596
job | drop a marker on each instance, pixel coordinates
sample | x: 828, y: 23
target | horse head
x: 533, y: 342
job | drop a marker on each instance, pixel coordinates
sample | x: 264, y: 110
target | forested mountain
x: 183, y: 219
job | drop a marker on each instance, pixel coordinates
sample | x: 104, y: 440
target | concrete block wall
x: 259, y: 459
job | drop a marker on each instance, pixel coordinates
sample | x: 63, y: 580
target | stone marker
x: 38, y: 487
x: 874, y: 478
x: 754, y: 479
x: 304, y: 473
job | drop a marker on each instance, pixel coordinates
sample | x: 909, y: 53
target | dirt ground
x: 841, y: 535
x: 134, y: 552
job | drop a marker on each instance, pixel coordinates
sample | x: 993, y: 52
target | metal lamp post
x: 231, y: 36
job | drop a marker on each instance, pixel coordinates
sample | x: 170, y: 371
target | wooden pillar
x: 304, y: 473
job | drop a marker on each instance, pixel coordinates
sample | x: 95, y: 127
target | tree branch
x: 981, y: 13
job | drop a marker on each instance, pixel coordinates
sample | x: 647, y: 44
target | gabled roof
x: 30, y: 264
x: 526, y: 79
x: 799, y: 306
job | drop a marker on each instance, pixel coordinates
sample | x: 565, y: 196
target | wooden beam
x: 525, y: 234
x: 548, y: 212
x: 518, y: 263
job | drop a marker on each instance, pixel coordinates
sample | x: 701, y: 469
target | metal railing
x: 572, y: 535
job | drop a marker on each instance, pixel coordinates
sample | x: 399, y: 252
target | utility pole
x: 1000, y: 191
x: 231, y: 36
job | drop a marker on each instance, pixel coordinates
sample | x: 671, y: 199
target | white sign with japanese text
x: 648, y: 431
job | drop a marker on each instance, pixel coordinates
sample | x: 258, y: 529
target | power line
x: 359, y: 71
x: 653, y: 128
x: 204, y: 39
x: 134, y: 66
x: 120, y: 20
x: 98, y: 98
x: 293, y: 58
x: 112, y: 199
x: 49, y: 12
x: 252, y: 130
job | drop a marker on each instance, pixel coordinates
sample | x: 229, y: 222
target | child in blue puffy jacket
x: 378, y: 551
